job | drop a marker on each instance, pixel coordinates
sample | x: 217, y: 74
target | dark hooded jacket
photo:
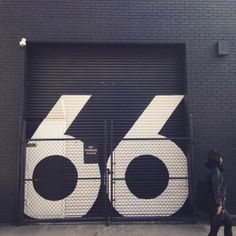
x: 217, y: 181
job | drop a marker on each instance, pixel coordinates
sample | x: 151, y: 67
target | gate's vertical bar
x: 191, y: 141
x: 104, y: 174
x: 22, y: 174
x: 111, y: 172
x: 63, y: 175
x: 18, y: 182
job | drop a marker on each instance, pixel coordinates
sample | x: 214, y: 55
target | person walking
x: 217, y: 182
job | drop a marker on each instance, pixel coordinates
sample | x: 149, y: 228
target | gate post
x: 21, y: 172
x: 105, y: 175
x: 111, y: 169
x: 191, y: 184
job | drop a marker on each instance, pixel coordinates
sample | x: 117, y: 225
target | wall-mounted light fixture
x: 22, y: 43
x: 222, y: 48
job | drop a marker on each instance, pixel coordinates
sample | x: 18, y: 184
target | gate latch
x: 107, y: 180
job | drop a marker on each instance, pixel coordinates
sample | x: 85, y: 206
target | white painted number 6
x: 55, y: 125
x: 148, y: 126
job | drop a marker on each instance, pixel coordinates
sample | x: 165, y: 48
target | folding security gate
x: 106, y: 133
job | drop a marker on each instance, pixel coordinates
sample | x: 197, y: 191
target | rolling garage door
x: 106, y: 132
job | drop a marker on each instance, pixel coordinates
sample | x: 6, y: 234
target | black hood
x: 213, y: 160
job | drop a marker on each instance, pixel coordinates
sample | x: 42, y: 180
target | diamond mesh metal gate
x: 108, y: 180
x: 60, y: 184
x: 149, y: 181
x: 150, y: 176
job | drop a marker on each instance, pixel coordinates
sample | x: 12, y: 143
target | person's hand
x: 219, y: 209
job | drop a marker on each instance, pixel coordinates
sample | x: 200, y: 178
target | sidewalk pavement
x: 113, y: 230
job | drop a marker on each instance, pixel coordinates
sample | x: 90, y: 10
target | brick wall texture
x: 199, y: 24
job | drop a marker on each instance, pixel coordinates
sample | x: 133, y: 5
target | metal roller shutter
x: 121, y: 79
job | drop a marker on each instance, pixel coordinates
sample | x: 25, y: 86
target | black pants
x: 217, y: 220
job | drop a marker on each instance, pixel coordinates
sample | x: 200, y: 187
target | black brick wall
x: 199, y: 24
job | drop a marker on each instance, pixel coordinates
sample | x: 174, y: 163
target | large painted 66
x: 81, y: 200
